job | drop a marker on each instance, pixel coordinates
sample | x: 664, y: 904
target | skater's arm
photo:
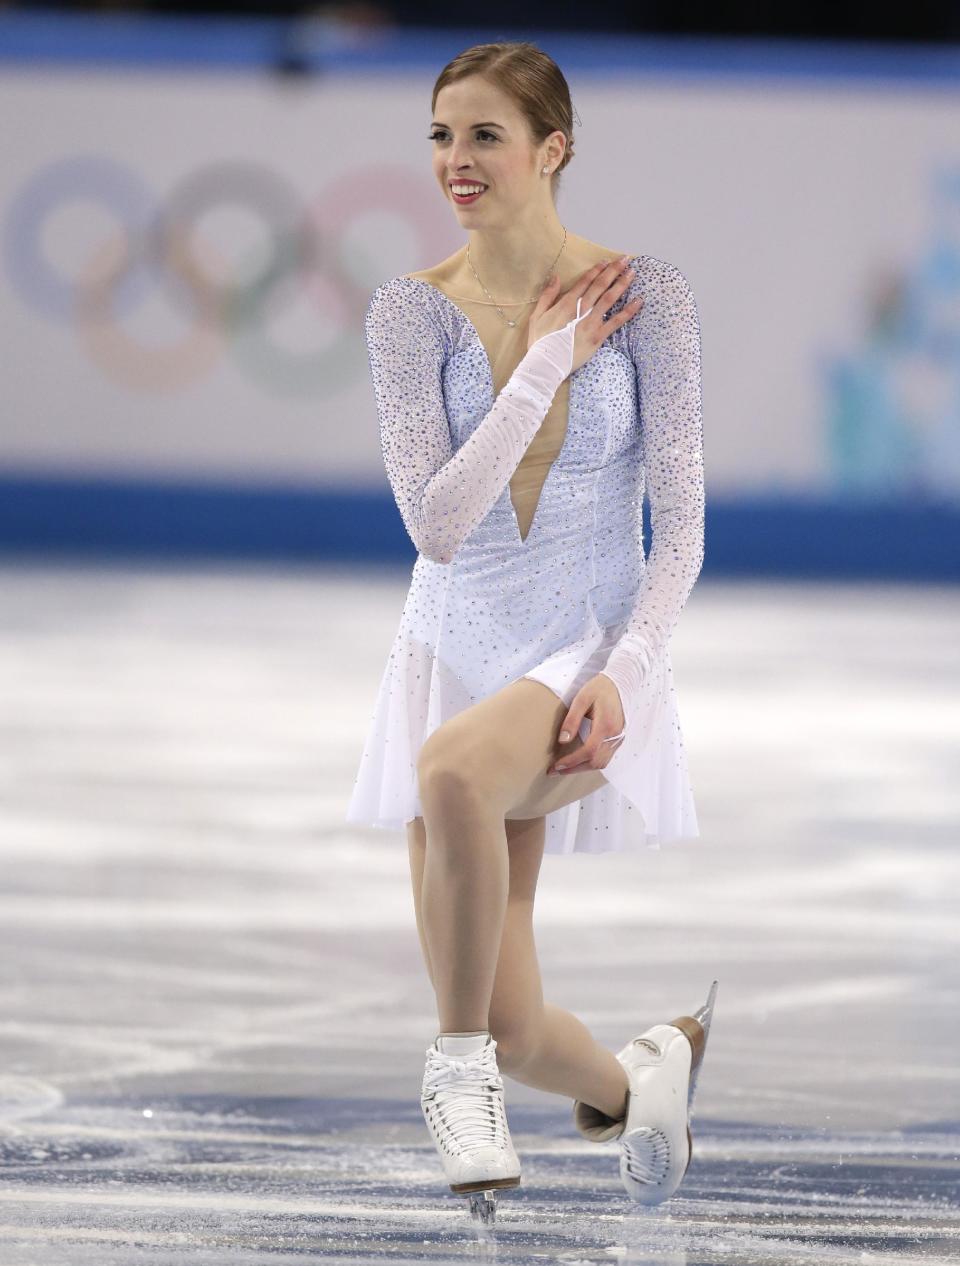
x: 665, y: 346
x: 444, y: 495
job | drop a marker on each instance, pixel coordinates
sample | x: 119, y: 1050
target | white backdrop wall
x: 187, y: 258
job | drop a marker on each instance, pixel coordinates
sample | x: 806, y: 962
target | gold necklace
x: 520, y: 302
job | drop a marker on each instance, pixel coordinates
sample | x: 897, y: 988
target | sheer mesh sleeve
x: 664, y: 340
x: 443, y: 495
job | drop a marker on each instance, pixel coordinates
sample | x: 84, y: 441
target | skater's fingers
x: 570, y: 762
x: 548, y: 293
x: 571, y: 722
x: 585, y: 756
x: 576, y: 760
x: 573, y: 745
x: 598, y: 696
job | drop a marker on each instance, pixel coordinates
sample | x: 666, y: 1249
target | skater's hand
x: 598, y: 699
x: 601, y: 286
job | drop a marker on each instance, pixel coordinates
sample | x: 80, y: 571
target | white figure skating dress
x: 576, y: 596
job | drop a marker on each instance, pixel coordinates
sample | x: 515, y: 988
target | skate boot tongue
x: 461, y: 1043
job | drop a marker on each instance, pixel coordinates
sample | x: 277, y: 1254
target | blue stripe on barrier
x: 782, y: 536
x: 69, y: 38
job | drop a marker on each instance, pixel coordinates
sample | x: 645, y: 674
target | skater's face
x: 500, y: 154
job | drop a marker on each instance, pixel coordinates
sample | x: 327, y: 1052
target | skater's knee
x: 454, y: 770
x: 444, y: 785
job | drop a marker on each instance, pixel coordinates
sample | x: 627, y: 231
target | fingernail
x: 559, y: 766
x: 564, y: 736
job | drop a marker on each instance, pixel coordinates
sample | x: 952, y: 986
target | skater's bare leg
x: 464, y: 897
x: 486, y: 763
x: 540, y: 1045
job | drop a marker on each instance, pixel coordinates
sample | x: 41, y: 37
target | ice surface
x: 214, y: 1007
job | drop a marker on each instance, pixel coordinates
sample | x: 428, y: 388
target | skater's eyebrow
x: 487, y: 124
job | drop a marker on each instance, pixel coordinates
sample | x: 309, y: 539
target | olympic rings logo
x: 164, y: 253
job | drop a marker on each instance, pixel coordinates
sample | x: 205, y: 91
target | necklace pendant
x: 528, y: 301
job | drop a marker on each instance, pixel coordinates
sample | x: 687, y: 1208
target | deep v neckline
x: 488, y: 366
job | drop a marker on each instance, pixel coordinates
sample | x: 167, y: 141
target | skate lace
x: 647, y: 1154
x: 461, y: 1090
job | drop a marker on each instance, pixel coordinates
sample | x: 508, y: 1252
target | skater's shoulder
x: 418, y: 302
x: 414, y: 317
x: 413, y: 292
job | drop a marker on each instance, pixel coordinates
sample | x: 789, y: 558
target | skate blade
x: 483, y: 1210
x: 491, y: 1184
x: 697, y: 1029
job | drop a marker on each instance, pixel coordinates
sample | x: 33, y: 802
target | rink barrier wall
x: 782, y: 535
x: 63, y: 37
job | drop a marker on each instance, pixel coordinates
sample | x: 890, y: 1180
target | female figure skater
x: 527, y: 388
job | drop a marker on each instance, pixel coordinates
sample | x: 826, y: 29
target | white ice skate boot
x: 656, y: 1145
x: 462, y: 1102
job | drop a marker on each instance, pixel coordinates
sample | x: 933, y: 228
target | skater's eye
x: 439, y: 135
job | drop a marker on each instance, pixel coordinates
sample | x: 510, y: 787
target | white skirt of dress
x: 647, y: 800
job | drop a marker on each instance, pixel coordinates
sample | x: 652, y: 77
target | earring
x: 545, y: 170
